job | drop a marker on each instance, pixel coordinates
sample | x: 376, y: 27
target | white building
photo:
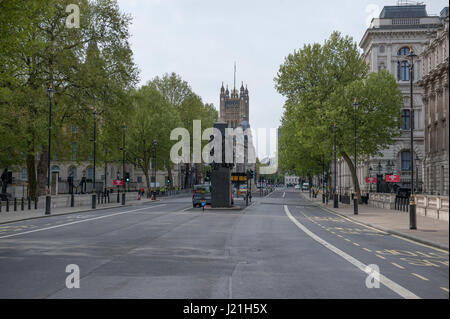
x: 290, y: 179
x: 385, y: 45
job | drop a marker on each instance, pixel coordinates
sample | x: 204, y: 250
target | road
x: 279, y: 247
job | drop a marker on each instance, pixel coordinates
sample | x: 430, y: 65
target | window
x: 90, y: 173
x: 139, y: 179
x: 403, y: 51
x: 24, y: 174
x: 73, y: 172
x: 403, y: 71
x: 406, y: 160
x: 405, y: 124
x: 382, y: 49
x: 74, y: 151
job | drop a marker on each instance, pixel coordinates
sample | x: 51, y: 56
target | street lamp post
x: 355, y: 200
x: 412, y: 204
x: 124, y: 127
x: 94, y: 140
x: 335, y: 198
x: 155, y: 144
x: 48, y: 198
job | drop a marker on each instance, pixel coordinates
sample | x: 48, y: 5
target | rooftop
x: 405, y: 11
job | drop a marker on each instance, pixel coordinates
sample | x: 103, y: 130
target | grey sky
x: 201, y: 39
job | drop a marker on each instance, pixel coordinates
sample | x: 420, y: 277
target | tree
x: 190, y: 107
x: 320, y: 83
x: 152, y: 118
x: 89, y: 67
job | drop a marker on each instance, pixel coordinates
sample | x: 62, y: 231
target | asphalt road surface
x: 279, y: 247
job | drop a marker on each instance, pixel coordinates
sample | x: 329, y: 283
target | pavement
x: 429, y: 230
x: 281, y: 246
x: 14, y: 216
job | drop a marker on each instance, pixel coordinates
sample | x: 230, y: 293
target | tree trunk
x: 354, y: 176
x: 169, y: 174
x: 31, y: 175
x: 147, y: 180
x: 330, y: 194
x: 198, y: 173
x: 186, y: 177
x: 42, y: 172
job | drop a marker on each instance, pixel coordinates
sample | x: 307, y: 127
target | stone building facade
x: 436, y: 100
x: 386, y: 44
x: 234, y: 107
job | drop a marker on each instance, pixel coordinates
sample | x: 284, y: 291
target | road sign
x: 392, y: 178
x: 118, y: 182
x: 371, y: 180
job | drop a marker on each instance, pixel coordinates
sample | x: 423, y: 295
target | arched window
x: 403, y: 51
x: 406, y: 160
x: 403, y: 66
x: 73, y: 172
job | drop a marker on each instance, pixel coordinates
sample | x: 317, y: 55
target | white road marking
x: 79, y: 221
x: 403, y: 292
x: 284, y: 194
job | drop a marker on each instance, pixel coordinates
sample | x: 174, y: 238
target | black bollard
x: 29, y: 203
x: 15, y: 204
x: 35, y: 202
x: 22, y: 204
x: 118, y: 197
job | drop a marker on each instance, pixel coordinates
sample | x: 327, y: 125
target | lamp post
x: 417, y: 173
x: 379, y: 177
x: 155, y: 144
x: 412, y: 204
x: 355, y: 200
x: 335, y: 198
x: 94, y: 140
x: 390, y: 167
x: 124, y: 127
x: 48, y: 198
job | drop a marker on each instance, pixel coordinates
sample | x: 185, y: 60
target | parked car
x: 305, y: 186
x: 298, y: 187
x: 201, y: 194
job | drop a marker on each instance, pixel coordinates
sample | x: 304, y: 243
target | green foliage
x: 320, y: 83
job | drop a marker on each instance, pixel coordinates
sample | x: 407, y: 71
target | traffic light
x: 168, y: 180
x: 208, y: 176
x: 127, y: 177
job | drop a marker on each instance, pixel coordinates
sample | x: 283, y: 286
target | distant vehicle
x: 242, y: 191
x: 305, y: 186
x: 201, y: 194
x: 297, y: 186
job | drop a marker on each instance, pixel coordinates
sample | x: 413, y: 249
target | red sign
x: 118, y: 182
x: 393, y: 178
x: 371, y: 180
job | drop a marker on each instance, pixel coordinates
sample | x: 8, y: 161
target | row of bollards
x: 22, y: 204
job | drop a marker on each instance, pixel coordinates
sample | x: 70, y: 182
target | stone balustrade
x: 426, y: 205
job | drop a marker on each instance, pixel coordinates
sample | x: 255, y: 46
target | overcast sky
x: 201, y: 39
